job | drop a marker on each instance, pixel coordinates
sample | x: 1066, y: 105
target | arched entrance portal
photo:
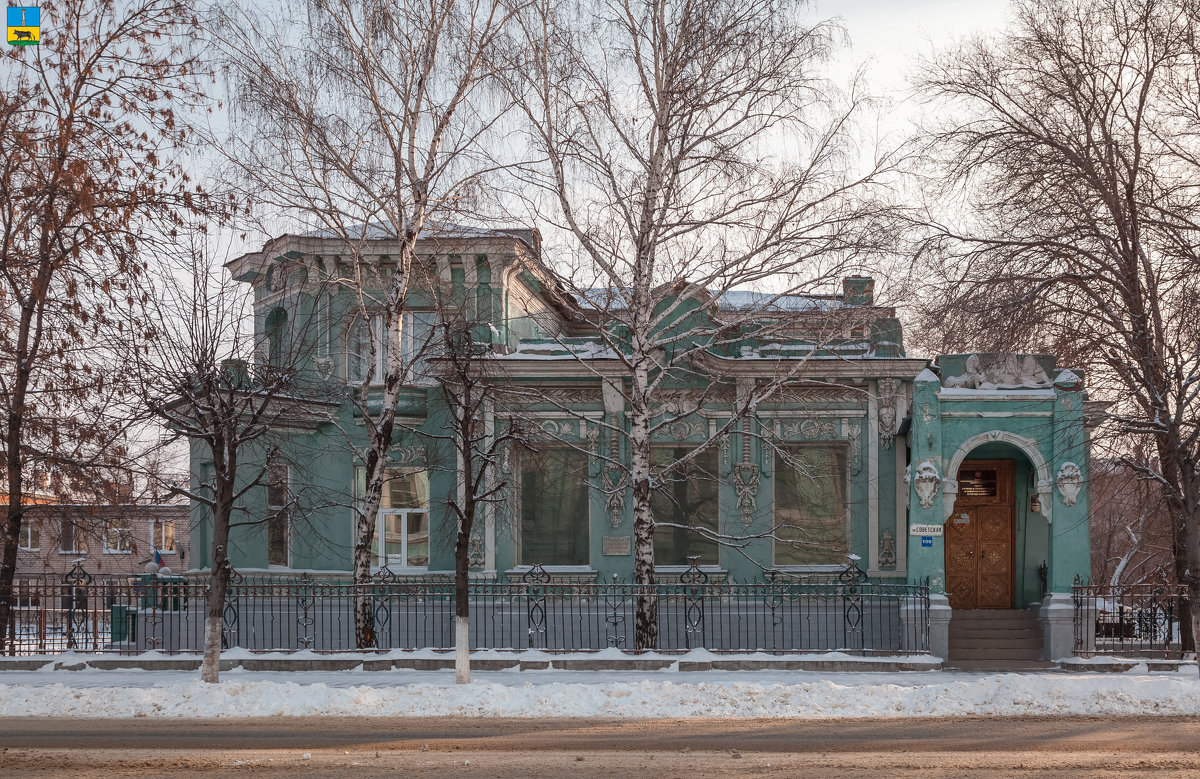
x: 997, y: 529
x: 980, y: 537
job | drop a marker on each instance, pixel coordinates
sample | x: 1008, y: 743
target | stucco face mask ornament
x: 1070, y: 482
x: 926, y: 483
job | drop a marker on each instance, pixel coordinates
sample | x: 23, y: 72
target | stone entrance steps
x: 995, y: 639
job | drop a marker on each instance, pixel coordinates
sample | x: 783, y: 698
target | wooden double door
x: 980, y: 537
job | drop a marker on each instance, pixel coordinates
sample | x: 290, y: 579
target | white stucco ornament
x: 926, y: 482
x: 1009, y: 371
x: 1070, y: 482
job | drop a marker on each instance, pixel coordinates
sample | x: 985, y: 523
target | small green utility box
x: 124, y: 623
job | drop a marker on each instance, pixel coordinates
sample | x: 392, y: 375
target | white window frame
x: 416, y: 365
x: 158, y: 535
x: 397, y: 562
x: 76, y: 536
x: 378, y: 333
x: 124, y: 531
x: 28, y: 530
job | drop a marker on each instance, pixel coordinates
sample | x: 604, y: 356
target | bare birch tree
x: 472, y: 441
x: 91, y: 126
x: 199, y: 370
x: 1073, y: 141
x: 370, y: 120
x: 690, y: 148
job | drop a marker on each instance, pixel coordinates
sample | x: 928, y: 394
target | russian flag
x: 158, y: 559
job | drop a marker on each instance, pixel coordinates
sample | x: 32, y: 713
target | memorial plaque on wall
x: 617, y: 545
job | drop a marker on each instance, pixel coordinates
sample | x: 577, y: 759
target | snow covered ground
x: 555, y: 693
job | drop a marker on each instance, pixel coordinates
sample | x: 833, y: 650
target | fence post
x: 614, y: 599
x: 76, y: 580
x: 849, y: 581
x: 535, y: 580
x: 693, y: 580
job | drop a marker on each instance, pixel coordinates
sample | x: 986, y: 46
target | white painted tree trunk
x: 210, y: 666
x: 462, y: 650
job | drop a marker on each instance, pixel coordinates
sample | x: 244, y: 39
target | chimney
x: 858, y: 291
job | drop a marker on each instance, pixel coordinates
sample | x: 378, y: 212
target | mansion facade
x: 967, y: 470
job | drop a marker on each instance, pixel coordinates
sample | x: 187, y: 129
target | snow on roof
x: 382, y: 230
x: 614, y: 298
x: 745, y: 300
x: 565, y: 349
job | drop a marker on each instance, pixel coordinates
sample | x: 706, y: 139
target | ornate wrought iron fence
x: 139, y: 614
x: 1133, y: 620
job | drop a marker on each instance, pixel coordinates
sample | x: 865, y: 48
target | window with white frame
x: 420, y: 341
x: 402, y: 524
x: 364, y: 333
x: 30, y: 539
x: 811, y: 508
x: 279, y: 531
x: 162, y: 535
x: 70, y: 538
x: 118, y: 536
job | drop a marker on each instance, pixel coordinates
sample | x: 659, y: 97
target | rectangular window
x: 685, y: 506
x: 363, y: 333
x: 31, y: 535
x: 554, y: 507
x: 70, y: 538
x: 162, y: 535
x: 403, y: 522
x: 118, y: 537
x: 419, y: 341
x: 279, y: 529
x: 811, y: 514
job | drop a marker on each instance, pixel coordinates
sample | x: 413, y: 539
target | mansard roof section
x: 857, y: 293
x: 380, y: 239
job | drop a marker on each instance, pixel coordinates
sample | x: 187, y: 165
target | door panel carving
x: 979, y: 538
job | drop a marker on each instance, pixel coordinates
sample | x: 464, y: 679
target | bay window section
x: 553, y: 527
x: 685, y: 507
x: 811, y: 508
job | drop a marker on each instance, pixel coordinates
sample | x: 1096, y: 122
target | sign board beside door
x: 925, y: 530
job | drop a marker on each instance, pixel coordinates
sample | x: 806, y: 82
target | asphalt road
x: 689, y: 749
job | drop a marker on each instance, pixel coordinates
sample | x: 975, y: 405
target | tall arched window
x: 276, y: 329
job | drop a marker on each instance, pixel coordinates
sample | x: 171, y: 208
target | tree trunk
x: 462, y: 616
x: 8, y: 566
x: 1191, y: 544
x: 462, y: 564
x: 218, y: 584
x: 14, y: 479
x: 364, y: 622
x: 646, y: 603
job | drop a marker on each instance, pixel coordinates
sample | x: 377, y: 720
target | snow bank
x: 747, y: 694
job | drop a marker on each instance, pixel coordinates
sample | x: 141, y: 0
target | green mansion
x: 968, y: 470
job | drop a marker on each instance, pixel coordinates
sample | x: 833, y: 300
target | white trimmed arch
x: 1027, y: 445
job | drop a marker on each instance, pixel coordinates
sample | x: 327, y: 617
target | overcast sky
x: 891, y: 32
